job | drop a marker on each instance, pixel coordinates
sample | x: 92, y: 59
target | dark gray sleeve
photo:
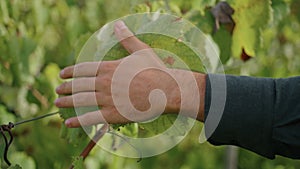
x: 260, y: 114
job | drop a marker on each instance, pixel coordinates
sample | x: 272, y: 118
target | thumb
x: 127, y: 38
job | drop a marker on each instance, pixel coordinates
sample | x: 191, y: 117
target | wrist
x: 194, y: 94
x: 201, y: 82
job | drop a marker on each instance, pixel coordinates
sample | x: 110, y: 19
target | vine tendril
x: 8, y: 127
x: 3, y: 129
x: 99, y: 134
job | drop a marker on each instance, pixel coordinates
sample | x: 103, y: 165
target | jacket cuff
x: 248, y: 113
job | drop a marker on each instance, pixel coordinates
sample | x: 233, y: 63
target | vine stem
x: 99, y: 134
x: 36, y: 118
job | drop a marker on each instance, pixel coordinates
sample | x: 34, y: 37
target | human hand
x: 104, y: 84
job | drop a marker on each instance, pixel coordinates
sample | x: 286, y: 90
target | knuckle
x: 103, y: 80
x: 98, y: 80
x: 107, y: 66
x: 98, y: 95
x: 107, y: 80
x: 103, y: 66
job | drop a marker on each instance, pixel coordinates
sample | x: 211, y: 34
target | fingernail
x: 57, y: 89
x: 62, y: 73
x: 56, y: 101
x: 68, y: 123
x: 120, y: 25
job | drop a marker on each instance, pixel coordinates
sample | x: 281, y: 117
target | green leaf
x: 141, y: 8
x: 204, y: 21
x: 130, y: 129
x: 75, y: 136
x: 51, y: 72
x: 250, y: 18
x: 202, y: 5
x: 15, y: 167
x: 41, y: 15
x: 224, y: 40
x: 163, y: 123
x: 78, y: 163
x: 22, y: 159
x: 5, y: 116
x: 16, y: 99
x: 4, y: 9
x: 166, y: 43
x: 6, y: 76
x: 295, y: 9
x: 280, y: 10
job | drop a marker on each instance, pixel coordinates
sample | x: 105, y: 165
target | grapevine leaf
x: 141, y: 8
x: 46, y: 83
x: 22, y: 159
x: 20, y: 50
x: 202, y: 5
x: 74, y: 136
x: 295, y: 9
x: 224, y: 40
x: 5, y: 116
x: 250, y: 18
x: 166, y: 43
x: 15, y: 98
x: 281, y: 10
x: 163, y: 123
x: 15, y: 167
x: 122, y: 8
x: 8, y: 96
x: 78, y: 163
x: 6, y: 76
x: 205, y: 21
x: 42, y: 91
x: 79, y: 43
x: 130, y: 130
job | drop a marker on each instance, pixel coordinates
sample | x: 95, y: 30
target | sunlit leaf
x: 250, y: 17
x: 202, y: 5
x: 23, y: 160
x: 5, y: 116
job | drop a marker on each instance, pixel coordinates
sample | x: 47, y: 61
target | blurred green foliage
x: 39, y: 37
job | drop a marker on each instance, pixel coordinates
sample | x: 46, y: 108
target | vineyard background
x: 40, y: 37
